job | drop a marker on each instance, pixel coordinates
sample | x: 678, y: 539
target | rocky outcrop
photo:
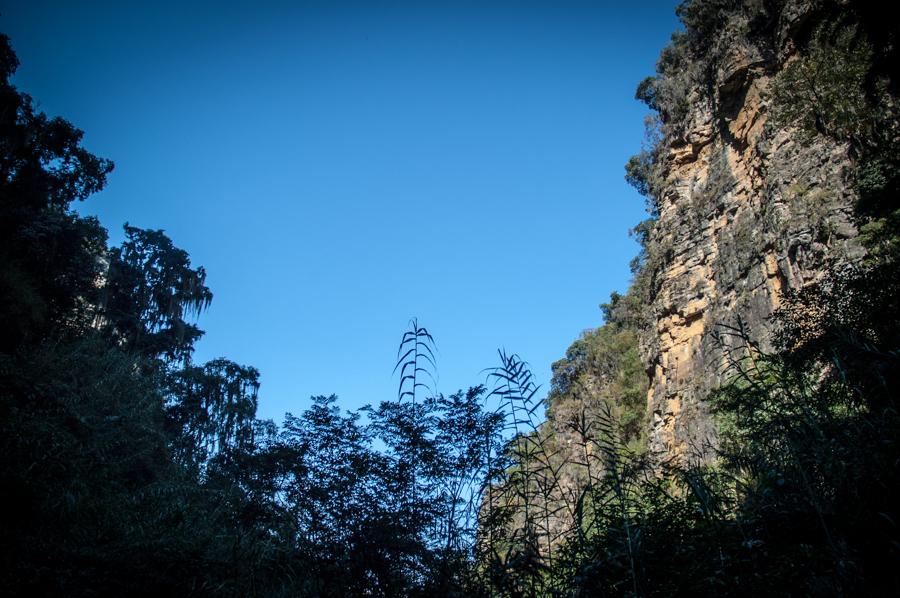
x: 746, y: 211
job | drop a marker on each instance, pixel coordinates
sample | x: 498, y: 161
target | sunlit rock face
x: 746, y: 212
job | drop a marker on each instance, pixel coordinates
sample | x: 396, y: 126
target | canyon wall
x: 746, y: 211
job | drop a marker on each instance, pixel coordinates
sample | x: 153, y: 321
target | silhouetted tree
x: 150, y: 291
x: 49, y: 256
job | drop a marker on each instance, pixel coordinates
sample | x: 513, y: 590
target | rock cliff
x: 744, y: 211
x: 772, y: 158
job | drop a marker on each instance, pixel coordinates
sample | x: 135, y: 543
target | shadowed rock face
x: 746, y: 212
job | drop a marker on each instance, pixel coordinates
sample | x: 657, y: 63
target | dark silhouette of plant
x: 48, y: 255
x: 527, y: 505
x: 414, y: 356
x: 211, y: 409
x: 149, y: 292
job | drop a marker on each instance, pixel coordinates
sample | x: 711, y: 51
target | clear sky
x: 340, y: 167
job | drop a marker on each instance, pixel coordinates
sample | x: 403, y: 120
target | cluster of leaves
x: 844, y: 87
x: 685, y: 68
x: 604, y: 365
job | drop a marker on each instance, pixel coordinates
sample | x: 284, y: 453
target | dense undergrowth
x: 128, y: 469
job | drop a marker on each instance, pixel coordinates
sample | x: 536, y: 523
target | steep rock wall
x: 746, y: 212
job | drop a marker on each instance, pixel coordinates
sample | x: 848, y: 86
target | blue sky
x: 340, y: 167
